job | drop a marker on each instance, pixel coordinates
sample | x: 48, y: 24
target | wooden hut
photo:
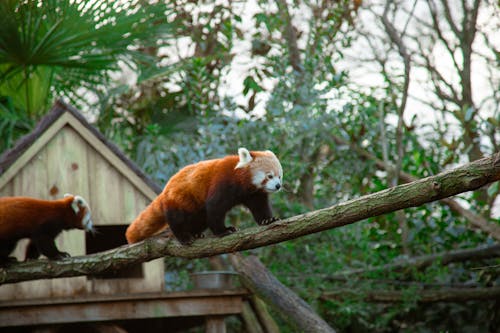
x: 65, y: 154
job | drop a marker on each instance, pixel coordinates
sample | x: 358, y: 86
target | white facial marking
x: 273, y: 183
x: 245, y: 158
x: 257, y: 178
x: 74, y: 205
x: 86, y: 220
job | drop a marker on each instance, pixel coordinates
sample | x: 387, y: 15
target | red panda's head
x: 265, y: 169
x: 82, y: 211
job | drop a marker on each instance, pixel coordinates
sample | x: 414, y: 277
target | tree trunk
x: 291, y: 307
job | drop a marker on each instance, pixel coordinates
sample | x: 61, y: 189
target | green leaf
x: 55, y: 47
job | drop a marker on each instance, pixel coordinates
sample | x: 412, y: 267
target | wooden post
x: 215, y: 324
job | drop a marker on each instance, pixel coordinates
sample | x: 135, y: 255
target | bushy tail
x: 149, y: 222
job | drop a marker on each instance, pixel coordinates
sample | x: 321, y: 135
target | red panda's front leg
x: 260, y: 207
x: 216, y: 209
x: 44, y: 244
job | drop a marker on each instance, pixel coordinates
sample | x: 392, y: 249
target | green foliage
x: 57, y: 47
x: 176, y: 114
x: 13, y: 124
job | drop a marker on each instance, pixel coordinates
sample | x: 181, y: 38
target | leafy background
x: 316, y: 82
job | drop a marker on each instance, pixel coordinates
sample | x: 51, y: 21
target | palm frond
x: 77, y: 40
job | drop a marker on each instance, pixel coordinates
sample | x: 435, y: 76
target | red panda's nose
x: 278, y: 186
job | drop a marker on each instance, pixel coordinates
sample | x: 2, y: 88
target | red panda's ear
x: 245, y: 158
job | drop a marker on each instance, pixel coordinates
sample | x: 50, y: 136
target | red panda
x: 199, y: 196
x: 41, y: 221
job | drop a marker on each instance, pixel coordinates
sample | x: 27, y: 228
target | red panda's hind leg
x: 31, y: 251
x: 186, y: 226
x: 45, y: 245
x: 215, y: 221
x: 6, y: 247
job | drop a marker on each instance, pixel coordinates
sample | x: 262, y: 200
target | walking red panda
x: 199, y: 196
x: 41, y: 221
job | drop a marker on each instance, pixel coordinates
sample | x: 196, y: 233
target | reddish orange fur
x: 19, y: 216
x: 41, y: 221
x: 189, y: 189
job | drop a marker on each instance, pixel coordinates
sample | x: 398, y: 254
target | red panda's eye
x: 269, y: 176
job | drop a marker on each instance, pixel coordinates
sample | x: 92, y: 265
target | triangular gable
x: 64, y: 115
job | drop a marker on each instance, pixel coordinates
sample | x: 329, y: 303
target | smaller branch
x: 446, y: 43
x: 422, y: 262
x: 449, y: 18
x: 400, y: 149
x: 290, y: 36
x: 422, y: 296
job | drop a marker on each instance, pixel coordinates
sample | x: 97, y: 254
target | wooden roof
x: 62, y: 114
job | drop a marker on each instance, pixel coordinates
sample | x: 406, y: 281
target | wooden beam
x: 196, y: 303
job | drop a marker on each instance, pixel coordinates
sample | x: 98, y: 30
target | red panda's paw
x: 227, y: 231
x: 7, y: 261
x: 200, y: 235
x: 60, y: 255
x: 269, y: 220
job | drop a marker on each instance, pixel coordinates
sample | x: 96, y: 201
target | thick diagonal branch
x: 476, y: 220
x: 466, y: 178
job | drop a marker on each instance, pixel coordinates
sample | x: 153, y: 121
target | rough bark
x: 283, y: 300
x: 465, y: 178
x: 250, y: 319
x: 477, y: 221
x: 422, y: 296
x: 263, y: 315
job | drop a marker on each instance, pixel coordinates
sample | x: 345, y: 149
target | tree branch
x: 422, y: 296
x: 475, y: 220
x: 291, y: 307
x: 421, y: 262
x: 468, y: 177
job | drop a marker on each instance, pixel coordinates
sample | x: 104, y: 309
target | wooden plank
x: 31, y: 181
x: 108, y: 155
x: 105, y: 188
x: 69, y: 157
x: 134, y: 202
x: 31, y: 151
x: 67, y: 173
x: 118, y: 310
x: 153, y: 280
x: 195, y: 293
x: 7, y: 190
x: 215, y: 324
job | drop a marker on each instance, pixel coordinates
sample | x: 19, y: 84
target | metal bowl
x: 215, y: 280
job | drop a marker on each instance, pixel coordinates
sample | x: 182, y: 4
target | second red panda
x: 199, y: 196
x: 41, y: 221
